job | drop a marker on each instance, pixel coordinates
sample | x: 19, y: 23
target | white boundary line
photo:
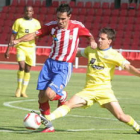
x: 9, y: 104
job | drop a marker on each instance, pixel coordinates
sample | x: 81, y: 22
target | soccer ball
x: 32, y: 121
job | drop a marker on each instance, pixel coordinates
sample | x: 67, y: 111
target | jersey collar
x: 106, y: 49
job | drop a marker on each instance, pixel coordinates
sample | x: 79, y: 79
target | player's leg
x: 44, y: 97
x: 117, y: 111
x: 29, y: 62
x: 83, y: 98
x: 26, y: 80
x: 63, y: 110
x: 45, y: 92
x: 20, y: 73
x: 52, y: 79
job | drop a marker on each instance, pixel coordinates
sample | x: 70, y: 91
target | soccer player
x: 57, y: 69
x: 25, y: 50
x: 101, y: 65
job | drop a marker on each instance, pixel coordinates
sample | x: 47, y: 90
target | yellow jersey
x: 22, y: 27
x: 101, y: 66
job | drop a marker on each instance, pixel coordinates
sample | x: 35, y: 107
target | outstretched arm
x: 13, y: 36
x: 131, y: 69
x: 93, y: 44
x: 25, y: 38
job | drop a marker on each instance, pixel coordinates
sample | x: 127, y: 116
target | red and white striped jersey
x: 65, y: 41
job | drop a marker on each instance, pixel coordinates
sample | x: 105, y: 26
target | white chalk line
x: 9, y: 104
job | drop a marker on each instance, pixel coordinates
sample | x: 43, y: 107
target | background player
x: 25, y: 50
x: 57, y: 69
x: 101, y: 65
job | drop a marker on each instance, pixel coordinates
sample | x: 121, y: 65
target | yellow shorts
x: 26, y: 54
x: 102, y: 96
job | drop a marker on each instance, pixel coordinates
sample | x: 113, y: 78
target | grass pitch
x: 94, y: 123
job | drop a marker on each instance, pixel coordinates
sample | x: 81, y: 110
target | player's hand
x: 93, y: 45
x: 7, y: 55
x: 14, y: 42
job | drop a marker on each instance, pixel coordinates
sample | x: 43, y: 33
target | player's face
x: 103, y: 41
x: 63, y: 19
x: 28, y: 12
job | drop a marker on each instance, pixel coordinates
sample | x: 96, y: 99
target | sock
x: 26, y: 80
x: 133, y: 124
x: 20, y: 75
x: 44, y: 108
x: 59, y: 112
x: 57, y: 97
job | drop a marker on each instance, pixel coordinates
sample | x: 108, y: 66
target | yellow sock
x: 134, y: 124
x: 20, y: 75
x: 59, y: 112
x: 26, y: 80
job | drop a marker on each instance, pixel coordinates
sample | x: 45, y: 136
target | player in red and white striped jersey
x: 65, y: 41
x: 57, y: 69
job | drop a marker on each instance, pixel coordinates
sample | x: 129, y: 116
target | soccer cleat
x: 48, y: 124
x: 24, y: 95
x: 44, y: 120
x: 18, y: 92
x: 63, y: 98
x: 48, y: 130
x: 138, y: 130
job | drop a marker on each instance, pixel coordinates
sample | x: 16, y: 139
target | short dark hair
x: 27, y: 6
x: 111, y: 33
x: 64, y: 8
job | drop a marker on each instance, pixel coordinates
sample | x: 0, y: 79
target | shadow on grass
x: 22, y: 130
x: 17, y: 130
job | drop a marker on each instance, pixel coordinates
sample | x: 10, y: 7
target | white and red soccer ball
x: 32, y: 121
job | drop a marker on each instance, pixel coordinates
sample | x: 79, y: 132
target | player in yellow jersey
x: 25, y: 50
x: 101, y: 65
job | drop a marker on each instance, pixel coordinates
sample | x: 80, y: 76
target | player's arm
x: 25, y: 38
x: 81, y: 52
x: 85, y: 33
x: 131, y: 69
x: 92, y: 42
x: 13, y: 36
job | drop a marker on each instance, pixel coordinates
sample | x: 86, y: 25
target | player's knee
x: 49, y: 94
x: 21, y: 68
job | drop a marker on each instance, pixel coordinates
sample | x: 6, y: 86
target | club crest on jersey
x: 71, y: 37
x: 54, y: 38
x: 26, y: 30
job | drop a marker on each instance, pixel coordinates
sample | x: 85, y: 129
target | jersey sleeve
x: 38, y: 25
x: 84, y: 52
x: 83, y: 31
x: 15, y: 26
x: 45, y: 30
x: 120, y: 60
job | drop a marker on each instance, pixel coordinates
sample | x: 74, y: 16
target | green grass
x: 80, y: 124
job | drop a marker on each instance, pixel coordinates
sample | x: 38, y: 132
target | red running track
x: 38, y: 68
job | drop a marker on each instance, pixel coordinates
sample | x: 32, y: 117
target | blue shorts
x: 54, y: 74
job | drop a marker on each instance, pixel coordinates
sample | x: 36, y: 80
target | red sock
x: 57, y: 97
x: 44, y: 108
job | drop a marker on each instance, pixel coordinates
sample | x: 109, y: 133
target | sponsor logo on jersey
x: 92, y: 61
x: 54, y: 38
